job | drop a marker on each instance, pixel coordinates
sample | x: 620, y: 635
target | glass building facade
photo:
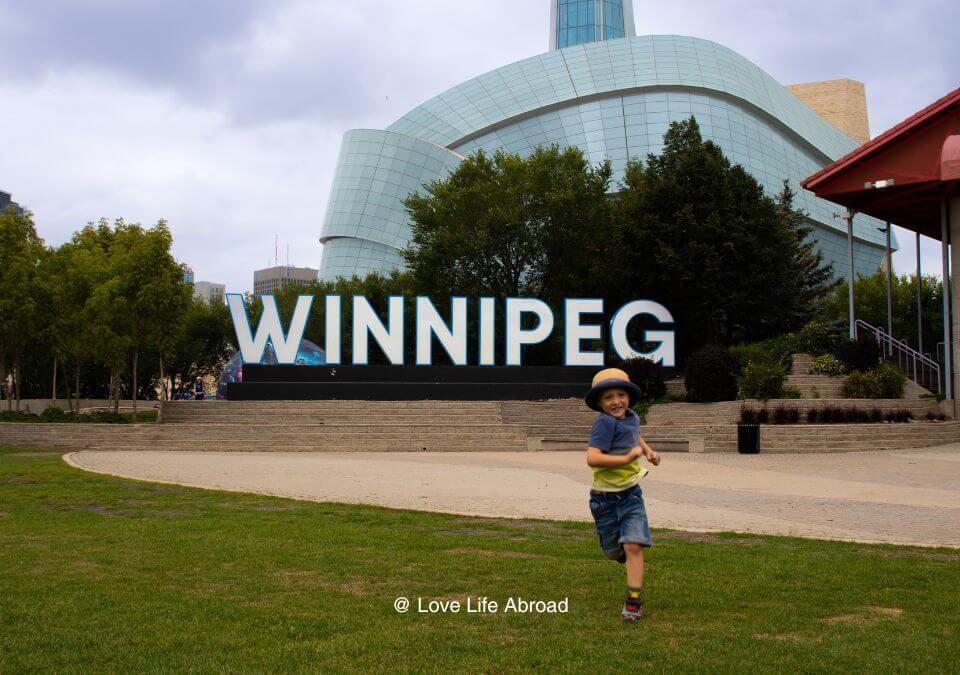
x: 582, y: 21
x: 614, y: 100
x: 577, y: 22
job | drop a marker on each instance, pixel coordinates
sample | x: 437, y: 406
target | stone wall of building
x: 842, y: 103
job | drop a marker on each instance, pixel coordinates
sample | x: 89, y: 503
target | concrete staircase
x: 811, y: 438
x: 445, y: 426
x: 812, y: 386
x: 728, y: 412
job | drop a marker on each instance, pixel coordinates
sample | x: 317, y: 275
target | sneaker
x: 632, y: 610
x: 622, y: 558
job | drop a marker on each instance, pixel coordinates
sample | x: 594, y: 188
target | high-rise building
x: 6, y: 201
x: 613, y: 98
x: 577, y: 22
x: 273, y: 279
x: 209, y: 291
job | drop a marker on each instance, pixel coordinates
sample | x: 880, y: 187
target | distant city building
x: 209, y: 291
x: 188, y: 275
x: 5, y: 201
x: 273, y: 279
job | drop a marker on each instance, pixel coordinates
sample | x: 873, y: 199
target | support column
x: 851, y: 275
x: 951, y: 223
x: 889, y: 290
x: 919, y: 301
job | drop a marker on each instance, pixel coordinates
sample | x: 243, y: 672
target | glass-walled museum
x: 614, y: 99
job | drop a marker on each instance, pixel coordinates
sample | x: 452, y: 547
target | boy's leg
x: 608, y: 530
x: 634, y: 537
x: 634, y: 565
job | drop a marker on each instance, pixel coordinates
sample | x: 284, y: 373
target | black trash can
x: 748, y: 439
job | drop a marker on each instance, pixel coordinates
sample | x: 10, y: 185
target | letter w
x: 269, y: 328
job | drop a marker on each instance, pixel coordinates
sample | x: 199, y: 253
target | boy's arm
x: 652, y: 456
x: 598, y: 458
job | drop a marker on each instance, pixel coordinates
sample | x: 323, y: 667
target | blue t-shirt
x: 616, y: 437
x: 610, y: 433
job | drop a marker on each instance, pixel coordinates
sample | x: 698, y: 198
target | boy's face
x: 615, y: 402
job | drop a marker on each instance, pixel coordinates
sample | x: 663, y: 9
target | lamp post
x: 851, y: 277
x: 889, y: 287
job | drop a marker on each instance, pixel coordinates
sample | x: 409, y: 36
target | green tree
x: 204, y: 343
x: 504, y: 226
x: 870, y: 304
x: 700, y: 236
x: 153, y: 296
x: 21, y: 251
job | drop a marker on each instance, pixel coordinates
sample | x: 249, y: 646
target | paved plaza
x: 897, y: 497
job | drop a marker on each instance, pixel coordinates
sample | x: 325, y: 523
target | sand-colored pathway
x: 902, y: 497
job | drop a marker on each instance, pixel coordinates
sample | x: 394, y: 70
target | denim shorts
x: 621, y: 518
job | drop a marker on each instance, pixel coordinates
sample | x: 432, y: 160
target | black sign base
x: 414, y: 383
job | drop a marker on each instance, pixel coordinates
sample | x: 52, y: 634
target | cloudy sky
x: 224, y: 116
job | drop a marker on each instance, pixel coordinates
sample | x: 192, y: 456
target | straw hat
x: 610, y: 378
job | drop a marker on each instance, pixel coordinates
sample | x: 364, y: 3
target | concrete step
x: 269, y: 420
x: 330, y: 405
x: 204, y: 411
x: 801, y: 364
x: 369, y: 447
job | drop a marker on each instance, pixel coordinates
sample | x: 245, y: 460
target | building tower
x: 575, y: 22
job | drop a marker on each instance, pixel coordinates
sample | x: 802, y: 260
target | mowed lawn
x: 118, y: 575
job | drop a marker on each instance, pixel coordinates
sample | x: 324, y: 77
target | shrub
x: 762, y: 380
x: 813, y: 415
x: 17, y: 416
x: 890, y: 381
x: 936, y: 417
x: 876, y: 415
x: 642, y: 408
x: 792, y: 392
x: 859, y: 355
x: 647, y: 375
x: 763, y: 416
x: 54, y: 414
x: 815, y: 338
x: 711, y: 375
x: 784, y: 415
x: 774, y: 351
x: 105, y: 417
x: 881, y: 382
x: 899, y: 416
x: 828, y: 364
x: 752, y: 353
x: 828, y: 414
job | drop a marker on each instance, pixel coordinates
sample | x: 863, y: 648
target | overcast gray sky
x: 225, y: 116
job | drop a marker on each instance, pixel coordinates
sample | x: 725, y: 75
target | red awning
x: 902, y: 175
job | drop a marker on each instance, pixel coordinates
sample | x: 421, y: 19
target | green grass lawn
x: 118, y: 575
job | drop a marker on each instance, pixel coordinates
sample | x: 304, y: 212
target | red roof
x: 912, y: 156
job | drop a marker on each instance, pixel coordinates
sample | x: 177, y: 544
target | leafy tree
x: 154, y: 294
x: 816, y: 279
x: 870, y: 304
x: 506, y: 226
x: 20, y: 253
x: 700, y: 236
x: 204, y: 343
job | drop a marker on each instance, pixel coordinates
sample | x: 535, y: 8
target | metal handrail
x: 926, y: 371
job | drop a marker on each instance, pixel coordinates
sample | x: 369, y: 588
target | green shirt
x: 615, y: 436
